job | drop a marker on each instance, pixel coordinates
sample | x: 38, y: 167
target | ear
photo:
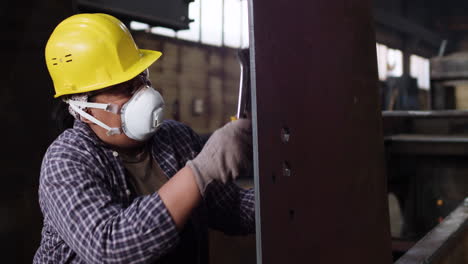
x: 84, y: 119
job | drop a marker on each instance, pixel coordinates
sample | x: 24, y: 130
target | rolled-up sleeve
x: 94, y: 224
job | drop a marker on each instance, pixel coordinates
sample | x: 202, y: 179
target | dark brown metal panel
x: 321, y: 193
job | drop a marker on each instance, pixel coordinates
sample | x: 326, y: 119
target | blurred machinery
x: 426, y: 155
x: 445, y: 244
x: 400, y: 93
x: 448, y: 72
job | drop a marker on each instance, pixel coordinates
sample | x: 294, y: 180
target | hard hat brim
x: 147, y: 58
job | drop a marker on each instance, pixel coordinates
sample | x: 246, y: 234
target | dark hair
x: 60, y: 115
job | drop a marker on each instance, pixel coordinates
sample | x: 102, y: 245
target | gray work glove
x: 226, y: 155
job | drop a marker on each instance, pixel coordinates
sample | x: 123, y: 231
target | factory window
x: 419, y: 69
x: 139, y: 26
x: 389, y: 62
x: 217, y: 23
x: 212, y: 22
x: 163, y: 31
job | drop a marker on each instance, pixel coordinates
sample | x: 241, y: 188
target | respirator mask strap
x: 75, y: 105
x: 113, y: 108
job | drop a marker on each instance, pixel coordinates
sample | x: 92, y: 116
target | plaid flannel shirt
x: 91, y: 215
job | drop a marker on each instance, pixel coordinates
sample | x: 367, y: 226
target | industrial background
x: 422, y: 50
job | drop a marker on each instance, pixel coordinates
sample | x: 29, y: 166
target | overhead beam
x: 406, y: 26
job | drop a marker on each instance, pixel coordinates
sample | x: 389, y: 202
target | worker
x: 122, y: 185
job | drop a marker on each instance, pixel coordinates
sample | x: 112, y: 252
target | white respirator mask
x: 140, y: 116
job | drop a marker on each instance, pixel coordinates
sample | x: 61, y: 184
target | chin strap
x: 75, y: 105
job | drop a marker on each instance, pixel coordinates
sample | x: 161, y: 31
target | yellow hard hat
x: 88, y: 52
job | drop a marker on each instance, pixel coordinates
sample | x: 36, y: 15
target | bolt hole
x: 286, y: 169
x: 291, y: 214
x: 68, y: 60
x: 285, y: 134
x: 68, y: 55
x: 55, y: 64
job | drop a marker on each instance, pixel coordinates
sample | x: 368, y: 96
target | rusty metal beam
x: 318, y: 149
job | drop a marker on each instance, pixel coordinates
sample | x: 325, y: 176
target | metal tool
x: 243, y: 106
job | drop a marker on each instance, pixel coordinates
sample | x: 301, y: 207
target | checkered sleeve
x: 231, y: 208
x: 94, y: 224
